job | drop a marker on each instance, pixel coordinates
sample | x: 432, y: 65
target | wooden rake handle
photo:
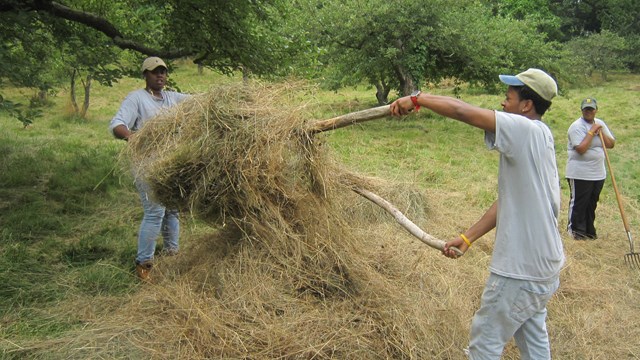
x: 350, y: 119
x: 372, y: 114
x: 615, y: 188
x: 405, y: 222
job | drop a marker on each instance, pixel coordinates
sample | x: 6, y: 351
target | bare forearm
x: 486, y: 223
x: 456, y: 109
x: 121, y: 132
x: 447, y: 106
x: 609, y: 142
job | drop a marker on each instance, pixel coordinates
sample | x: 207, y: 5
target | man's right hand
x: 457, y: 242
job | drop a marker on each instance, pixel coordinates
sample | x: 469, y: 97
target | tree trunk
x: 245, y: 73
x: 407, y: 85
x: 42, y: 96
x: 74, y: 103
x: 87, y: 94
x: 200, y: 68
x: 382, y: 93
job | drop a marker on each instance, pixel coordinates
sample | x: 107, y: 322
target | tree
x: 87, y: 56
x: 223, y: 35
x: 598, y: 52
x: 537, y: 13
x: 29, y: 56
x: 88, y: 38
x: 404, y: 44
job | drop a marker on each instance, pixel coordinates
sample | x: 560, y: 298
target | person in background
x: 138, y: 107
x: 528, y: 253
x: 585, y: 169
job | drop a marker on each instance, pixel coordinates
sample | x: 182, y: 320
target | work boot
x: 144, y: 271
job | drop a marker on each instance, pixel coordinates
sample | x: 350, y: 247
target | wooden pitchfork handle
x: 412, y: 228
x: 366, y: 115
x: 350, y: 119
x: 615, y: 189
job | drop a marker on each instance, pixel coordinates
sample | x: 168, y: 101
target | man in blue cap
x: 528, y: 252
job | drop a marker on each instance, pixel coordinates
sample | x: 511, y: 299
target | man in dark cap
x: 585, y: 169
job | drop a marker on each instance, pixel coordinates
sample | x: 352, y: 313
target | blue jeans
x: 156, y: 220
x: 512, y: 308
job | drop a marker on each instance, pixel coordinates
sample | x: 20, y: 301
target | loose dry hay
x: 313, y: 271
x: 287, y: 276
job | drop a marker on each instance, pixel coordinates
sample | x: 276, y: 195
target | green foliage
x: 537, y: 13
x: 29, y: 55
x: 18, y: 111
x: 231, y: 35
x: 585, y: 18
x: 407, y: 44
x: 601, y: 53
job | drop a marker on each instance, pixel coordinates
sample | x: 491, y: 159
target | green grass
x: 69, y: 213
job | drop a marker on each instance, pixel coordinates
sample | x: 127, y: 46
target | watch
x: 414, y: 99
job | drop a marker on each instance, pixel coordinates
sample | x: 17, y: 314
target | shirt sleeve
x: 127, y: 115
x: 606, y: 129
x: 490, y: 137
x: 510, y: 132
x: 575, y: 135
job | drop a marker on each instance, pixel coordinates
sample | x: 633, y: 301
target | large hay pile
x: 286, y: 276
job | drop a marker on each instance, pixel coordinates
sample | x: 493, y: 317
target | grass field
x: 69, y: 216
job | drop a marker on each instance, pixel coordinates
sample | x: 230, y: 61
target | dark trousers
x: 582, y: 207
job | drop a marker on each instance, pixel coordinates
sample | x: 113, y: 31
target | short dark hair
x: 526, y: 93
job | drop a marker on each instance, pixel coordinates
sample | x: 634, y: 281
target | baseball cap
x: 151, y: 63
x: 589, y: 103
x: 538, y: 80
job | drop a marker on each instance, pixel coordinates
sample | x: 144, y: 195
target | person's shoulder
x: 575, y: 123
x: 502, y: 115
x: 176, y: 95
x: 136, y: 93
x: 515, y: 119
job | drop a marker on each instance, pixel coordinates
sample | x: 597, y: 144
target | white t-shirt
x: 590, y: 165
x: 140, y: 105
x: 528, y: 244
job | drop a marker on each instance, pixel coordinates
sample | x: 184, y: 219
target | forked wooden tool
x: 632, y: 258
x: 366, y: 115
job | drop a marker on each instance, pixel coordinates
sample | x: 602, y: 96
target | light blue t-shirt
x: 140, y: 106
x: 528, y: 244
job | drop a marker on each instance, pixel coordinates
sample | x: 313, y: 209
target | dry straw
x: 286, y: 276
x: 297, y: 266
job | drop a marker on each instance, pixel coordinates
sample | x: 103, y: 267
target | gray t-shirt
x: 528, y: 244
x: 590, y: 165
x: 140, y: 105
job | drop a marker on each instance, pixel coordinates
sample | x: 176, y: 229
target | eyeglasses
x: 588, y: 109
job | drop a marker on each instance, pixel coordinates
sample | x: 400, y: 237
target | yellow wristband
x: 591, y: 133
x: 465, y: 240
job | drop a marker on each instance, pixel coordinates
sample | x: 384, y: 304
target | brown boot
x: 144, y: 271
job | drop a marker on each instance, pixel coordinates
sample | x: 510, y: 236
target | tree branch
x: 93, y: 21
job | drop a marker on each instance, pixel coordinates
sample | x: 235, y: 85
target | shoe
x: 577, y: 235
x: 144, y: 271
